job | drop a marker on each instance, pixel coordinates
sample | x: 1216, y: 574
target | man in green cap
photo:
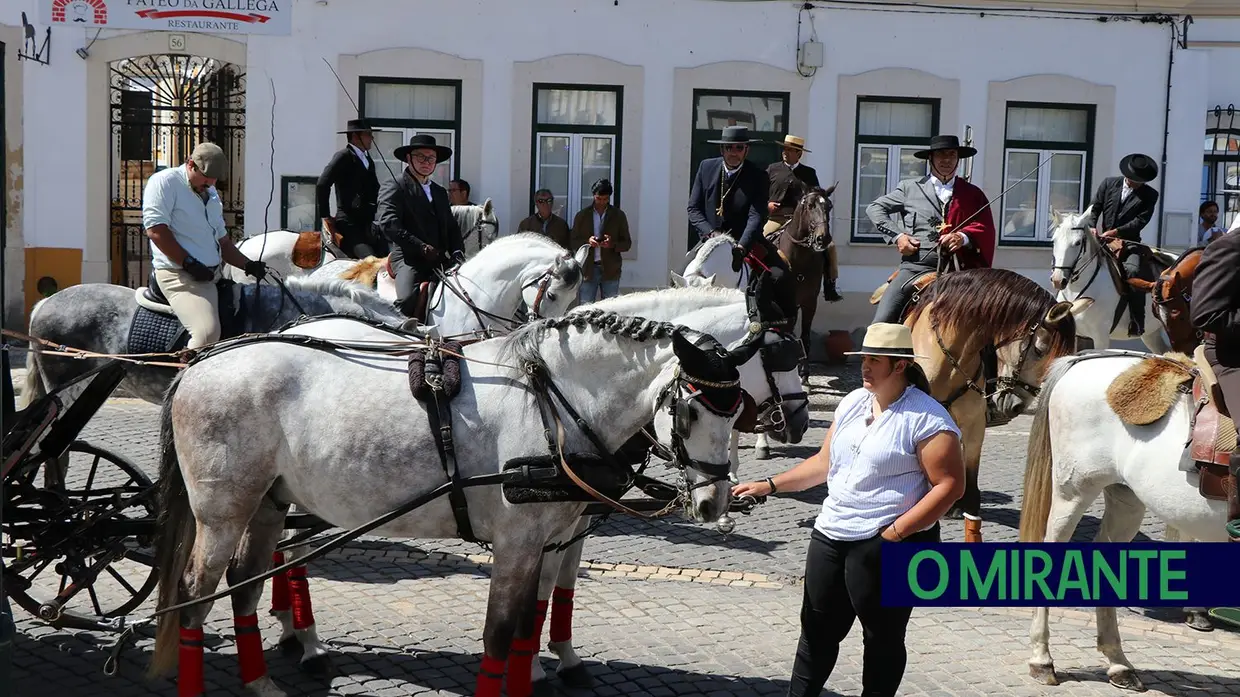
x: 184, y: 219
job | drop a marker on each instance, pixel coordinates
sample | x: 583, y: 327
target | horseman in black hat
x: 415, y: 216
x: 352, y: 171
x: 1121, y: 208
x: 729, y: 197
x: 935, y: 220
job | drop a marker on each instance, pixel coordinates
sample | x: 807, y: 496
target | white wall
x: 659, y: 36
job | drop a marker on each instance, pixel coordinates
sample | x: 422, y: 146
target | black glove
x: 430, y: 253
x: 256, y: 268
x: 196, y: 269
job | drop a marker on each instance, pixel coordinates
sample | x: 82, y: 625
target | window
x: 408, y: 107
x: 889, y: 131
x: 576, y: 143
x: 764, y: 113
x: 1220, y: 175
x: 1046, y: 159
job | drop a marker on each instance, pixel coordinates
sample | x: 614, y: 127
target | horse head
x: 703, y: 405
x: 1023, y: 363
x: 1171, y: 295
x: 811, y: 221
x: 1072, y: 246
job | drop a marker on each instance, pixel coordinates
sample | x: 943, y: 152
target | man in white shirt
x: 184, y: 219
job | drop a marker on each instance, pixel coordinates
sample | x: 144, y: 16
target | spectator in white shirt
x: 1208, y: 228
x: 893, y: 465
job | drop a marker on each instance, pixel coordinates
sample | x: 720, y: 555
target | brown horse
x: 1171, y: 294
x: 963, y: 314
x: 801, y: 243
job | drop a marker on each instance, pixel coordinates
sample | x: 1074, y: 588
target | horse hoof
x: 577, y: 677
x: 317, y: 665
x: 1127, y: 679
x: 290, y: 646
x: 762, y: 453
x: 1200, y: 621
x: 1044, y: 674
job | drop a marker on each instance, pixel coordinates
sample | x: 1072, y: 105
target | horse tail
x: 33, y: 387
x: 1039, y: 470
x: 174, y: 541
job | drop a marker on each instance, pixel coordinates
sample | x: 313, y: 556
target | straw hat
x: 883, y: 339
x: 791, y: 141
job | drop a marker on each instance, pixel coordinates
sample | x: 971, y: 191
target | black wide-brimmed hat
x: 1139, y: 168
x: 945, y: 142
x: 418, y: 142
x: 734, y: 135
x: 360, y: 126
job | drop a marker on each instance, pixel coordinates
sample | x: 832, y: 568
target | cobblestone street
x: 663, y: 607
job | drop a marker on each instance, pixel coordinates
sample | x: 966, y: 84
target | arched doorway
x: 162, y: 105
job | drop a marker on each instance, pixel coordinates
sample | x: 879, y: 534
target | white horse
x: 723, y: 313
x: 1080, y: 448
x: 479, y: 227
x: 521, y: 270
x: 1085, y: 274
x: 720, y: 312
x: 712, y: 266
x: 243, y: 438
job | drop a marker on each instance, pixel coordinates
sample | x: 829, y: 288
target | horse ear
x: 582, y: 252
x: 678, y: 281
x: 742, y: 354
x: 486, y: 206
x: 831, y: 190
x: 710, y: 280
x: 684, y: 349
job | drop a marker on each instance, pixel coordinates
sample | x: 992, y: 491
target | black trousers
x: 361, y: 240
x: 843, y: 582
x: 899, y: 292
x: 407, y: 279
x: 1136, y: 266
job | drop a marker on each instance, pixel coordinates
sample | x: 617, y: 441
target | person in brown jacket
x: 1215, y: 312
x: 544, y: 221
x: 606, y: 229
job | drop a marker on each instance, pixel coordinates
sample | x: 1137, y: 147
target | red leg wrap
x: 540, y: 618
x: 249, y: 649
x: 189, y: 666
x: 279, y: 586
x: 299, y: 589
x: 520, y: 667
x: 490, y: 677
x: 561, y: 614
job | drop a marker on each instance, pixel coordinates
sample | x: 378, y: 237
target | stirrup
x: 1233, y: 530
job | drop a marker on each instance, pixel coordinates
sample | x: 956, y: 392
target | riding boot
x: 1233, y: 497
x: 1136, y: 313
x: 829, y: 293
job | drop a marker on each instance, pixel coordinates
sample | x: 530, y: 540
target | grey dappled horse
x: 242, y: 441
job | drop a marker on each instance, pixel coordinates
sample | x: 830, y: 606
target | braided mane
x: 524, y: 345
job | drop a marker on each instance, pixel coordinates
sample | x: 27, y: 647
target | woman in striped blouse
x: 893, y: 465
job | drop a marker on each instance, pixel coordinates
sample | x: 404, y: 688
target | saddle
x: 918, y: 283
x: 308, y: 250
x: 1147, y: 391
x: 156, y: 329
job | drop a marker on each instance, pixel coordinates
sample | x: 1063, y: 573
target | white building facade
x: 558, y: 93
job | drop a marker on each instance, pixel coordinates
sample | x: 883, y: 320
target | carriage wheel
x: 81, y: 553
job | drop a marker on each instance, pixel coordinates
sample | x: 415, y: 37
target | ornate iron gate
x: 1221, y: 169
x: 161, y: 107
